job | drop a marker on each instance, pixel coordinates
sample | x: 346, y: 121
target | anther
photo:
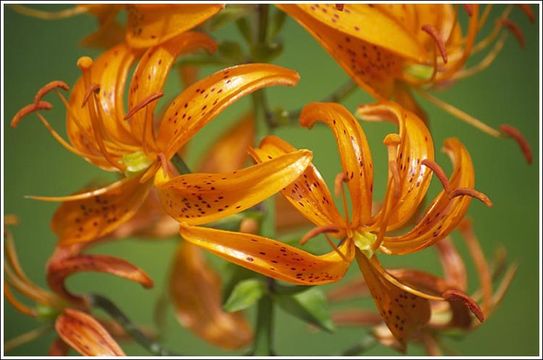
x: 143, y: 104
x: 93, y: 89
x: 527, y: 10
x: 29, y: 109
x: 430, y: 30
x: 438, y: 171
x: 338, y: 182
x: 456, y: 295
x: 473, y: 193
x: 468, y: 8
x: 515, y: 30
x: 48, y: 88
x: 520, y: 140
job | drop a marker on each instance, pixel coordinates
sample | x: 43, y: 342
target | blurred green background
x: 37, y: 51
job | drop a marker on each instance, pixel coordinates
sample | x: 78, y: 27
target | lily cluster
x: 416, y: 48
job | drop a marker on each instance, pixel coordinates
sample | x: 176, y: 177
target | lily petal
x: 354, y: 151
x: 444, y: 214
x: 272, y: 258
x: 205, y: 99
x: 150, y: 76
x: 203, y: 198
x: 415, y: 146
x: 309, y: 193
x: 58, y: 348
x: 86, y: 335
x: 453, y: 266
x: 149, y: 25
x: 195, y: 289
x: 91, y: 218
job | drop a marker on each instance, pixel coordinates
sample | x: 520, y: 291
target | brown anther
x: 317, y: 231
x: 515, y: 30
x: 527, y: 10
x: 468, y: 8
x: 29, y: 109
x: 520, y: 140
x: 93, y: 89
x: 144, y: 103
x: 438, y: 171
x: 430, y: 30
x: 50, y: 87
x: 473, y: 193
x: 340, y: 7
x: 338, y: 182
x: 455, y: 295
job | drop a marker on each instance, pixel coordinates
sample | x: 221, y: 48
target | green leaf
x: 235, y: 274
x: 228, y: 14
x: 277, y: 23
x: 289, y: 290
x: 245, y: 294
x: 310, y: 306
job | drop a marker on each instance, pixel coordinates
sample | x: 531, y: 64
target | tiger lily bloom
x: 75, y: 327
x: 147, y: 24
x: 390, y: 50
x: 101, y: 132
x: 364, y: 234
x: 446, y: 317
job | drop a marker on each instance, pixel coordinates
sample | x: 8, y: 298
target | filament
x: 520, y: 139
x: 438, y: 171
x: 49, y: 15
x: 338, y: 188
x: 430, y: 30
x: 515, y: 30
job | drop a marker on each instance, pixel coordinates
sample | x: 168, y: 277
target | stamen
x: 59, y: 138
x: 48, y: 15
x: 25, y: 338
x: 29, y: 109
x: 340, y: 179
x: 143, y: 104
x: 484, y: 63
x: 455, y: 295
x: 331, y: 243
x: 166, y: 165
x: 468, y: 8
x: 50, y: 87
x: 515, y: 30
x: 504, y: 285
x: 461, y: 115
x: 19, y: 306
x: 438, y: 171
x: 520, y: 139
x: 527, y: 10
x: 93, y: 89
x: 317, y: 231
x: 392, y: 141
x: 473, y: 193
x: 430, y: 30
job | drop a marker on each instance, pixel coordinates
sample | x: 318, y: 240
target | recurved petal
x: 149, y: 24
x: 202, y: 198
x: 58, y: 348
x: 90, y: 218
x: 229, y: 152
x: 205, y: 99
x: 415, y: 146
x: 272, y: 258
x: 195, y: 289
x: 444, y: 214
x: 453, y: 266
x: 83, y: 333
x: 309, y: 193
x: 354, y: 151
x: 150, y: 75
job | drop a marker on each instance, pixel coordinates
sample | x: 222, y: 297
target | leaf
x: 245, y: 294
x: 231, y: 51
x: 310, y: 306
x: 289, y: 290
x: 231, y: 12
x: 277, y: 23
x: 235, y: 274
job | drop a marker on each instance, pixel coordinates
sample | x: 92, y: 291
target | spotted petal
x: 83, y: 333
x: 201, y: 198
x: 195, y: 289
x: 205, y: 99
x: 272, y: 258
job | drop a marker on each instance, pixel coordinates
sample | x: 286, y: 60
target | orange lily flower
x: 102, y: 133
x: 445, y: 317
x: 74, y: 326
x: 390, y: 50
x: 147, y: 24
x: 410, y: 168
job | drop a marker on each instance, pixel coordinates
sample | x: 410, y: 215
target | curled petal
x: 90, y: 218
x: 195, y: 289
x: 453, y: 266
x: 272, y: 258
x: 308, y: 193
x: 86, y: 335
x: 150, y: 25
x: 205, y: 99
x: 202, y: 198
x: 58, y: 348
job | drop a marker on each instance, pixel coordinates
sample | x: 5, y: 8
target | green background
x: 38, y: 51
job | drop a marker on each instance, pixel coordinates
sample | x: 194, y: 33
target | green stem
x: 131, y: 329
x: 263, y: 340
x: 180, y: 165
x: 361, y: 347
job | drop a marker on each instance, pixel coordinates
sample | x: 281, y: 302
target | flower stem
x: 362, y: 346
x: 131, y: 329
x: 180, y: 165
x: 263, y: 340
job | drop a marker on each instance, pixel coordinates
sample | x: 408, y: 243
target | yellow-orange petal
x: 110, y: 32
x: 354, y: 151
x: 58, y: 348
x: 202, y: 198
x: 229, y: 151
x: 309, y: 193
x: 272, y: 258
x: 195, y: 289
x: 85, y: 335
x: 415, y: 146
x: 150, y: 24
x: 151, y: 74
x: 91, y: 218
x: 205, y: 99
x: 444, y: 214
x: 61, y: 267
